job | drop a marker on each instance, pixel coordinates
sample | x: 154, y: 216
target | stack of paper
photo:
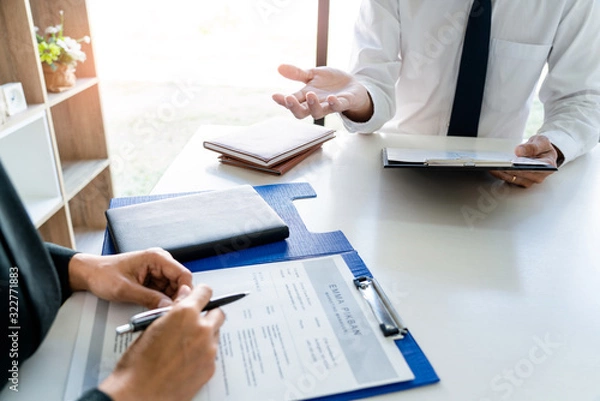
x: 272, y: 146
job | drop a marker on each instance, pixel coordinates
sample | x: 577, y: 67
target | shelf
x: 19, y: 60
x: 89, y: 240
x: 88, y: 207
x: 55, y: 151
x: 81, y: 85
x: 79, y: 126
x: 57, y: 229
x: 78, y: 174
x: 20, y: 119
x: 41, y: 209
x: 27, y: 155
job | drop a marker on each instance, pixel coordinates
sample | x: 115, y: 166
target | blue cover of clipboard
x: 301, y: 244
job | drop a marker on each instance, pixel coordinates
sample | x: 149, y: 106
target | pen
x: 142, y: 320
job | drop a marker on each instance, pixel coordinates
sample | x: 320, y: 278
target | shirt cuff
x: 567, y: 145
x: 380, y: 115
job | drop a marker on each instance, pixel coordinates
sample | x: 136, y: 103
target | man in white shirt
x: 405, y: 67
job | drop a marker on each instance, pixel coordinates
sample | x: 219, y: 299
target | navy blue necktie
x: 473, y: 67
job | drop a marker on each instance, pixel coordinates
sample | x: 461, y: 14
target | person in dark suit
x: 174, y: 356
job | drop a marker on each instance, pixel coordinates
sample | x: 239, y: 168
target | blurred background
x: 167, y: 68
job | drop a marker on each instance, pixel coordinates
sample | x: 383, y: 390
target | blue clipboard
x: 301, y: 244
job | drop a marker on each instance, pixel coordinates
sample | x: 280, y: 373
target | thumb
x: 526, y: 150
x: 294, y: 73
x: 535, y: 146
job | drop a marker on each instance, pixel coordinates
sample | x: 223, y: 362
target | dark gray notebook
x: 198, y: 225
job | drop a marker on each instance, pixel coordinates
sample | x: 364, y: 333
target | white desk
x: 478, y: 293
x: 503, y: 302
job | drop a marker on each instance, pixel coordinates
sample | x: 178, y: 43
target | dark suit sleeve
x: 94, y: 395
x: 61, y: 257
x: 31, y: 285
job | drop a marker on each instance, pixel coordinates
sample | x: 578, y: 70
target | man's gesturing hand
x: 327, y: 90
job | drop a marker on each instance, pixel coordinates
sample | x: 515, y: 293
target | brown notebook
x: 277, y: 169
x: 270, y: 142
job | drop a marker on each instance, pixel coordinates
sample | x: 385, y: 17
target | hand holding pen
x: 177, y: 352
x: 142, y: 320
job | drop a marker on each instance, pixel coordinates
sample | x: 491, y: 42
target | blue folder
x: 301, y: 244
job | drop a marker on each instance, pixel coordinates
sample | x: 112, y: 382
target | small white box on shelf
x: 14, y: 97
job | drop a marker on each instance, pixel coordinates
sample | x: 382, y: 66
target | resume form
x: 303, y: 332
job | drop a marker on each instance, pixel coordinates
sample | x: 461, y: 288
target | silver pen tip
x: 126, y: 328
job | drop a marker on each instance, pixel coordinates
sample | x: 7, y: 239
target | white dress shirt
x: 407, y: 54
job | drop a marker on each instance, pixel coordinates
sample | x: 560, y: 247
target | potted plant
x: 59, y: 55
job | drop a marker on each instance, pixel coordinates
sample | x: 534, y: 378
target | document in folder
x: 460, y: 159
x: 304, y: 331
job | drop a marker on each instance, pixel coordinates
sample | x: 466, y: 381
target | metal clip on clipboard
x: 468, y: 163
x: 390, y: 322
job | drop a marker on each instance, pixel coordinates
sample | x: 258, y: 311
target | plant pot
x: 60, y: 79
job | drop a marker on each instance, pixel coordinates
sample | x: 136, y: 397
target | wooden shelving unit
x: 55, y: 151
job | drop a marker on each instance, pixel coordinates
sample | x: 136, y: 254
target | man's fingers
x: 294, y: 73
x: 215, y: 318
x: 338, y: 104
x: 279, y: 99
x: 302, y: 105
x: 535, y: 146
x: 498, y: 174
x: 298, y: 110
x: 506, y: 176
x: 527, y: 150
x: 163, y: 303
x: 317, y: 109
x: 534, y: 177
x: 163, y: 265
x: 520, y: 179
x: 198, y: 297
x: 182, y: 293
x: 147, y: 297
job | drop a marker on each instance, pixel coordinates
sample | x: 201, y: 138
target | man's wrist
x: 115, y: 387
x: 362, y: 114
x: 79, y: 271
